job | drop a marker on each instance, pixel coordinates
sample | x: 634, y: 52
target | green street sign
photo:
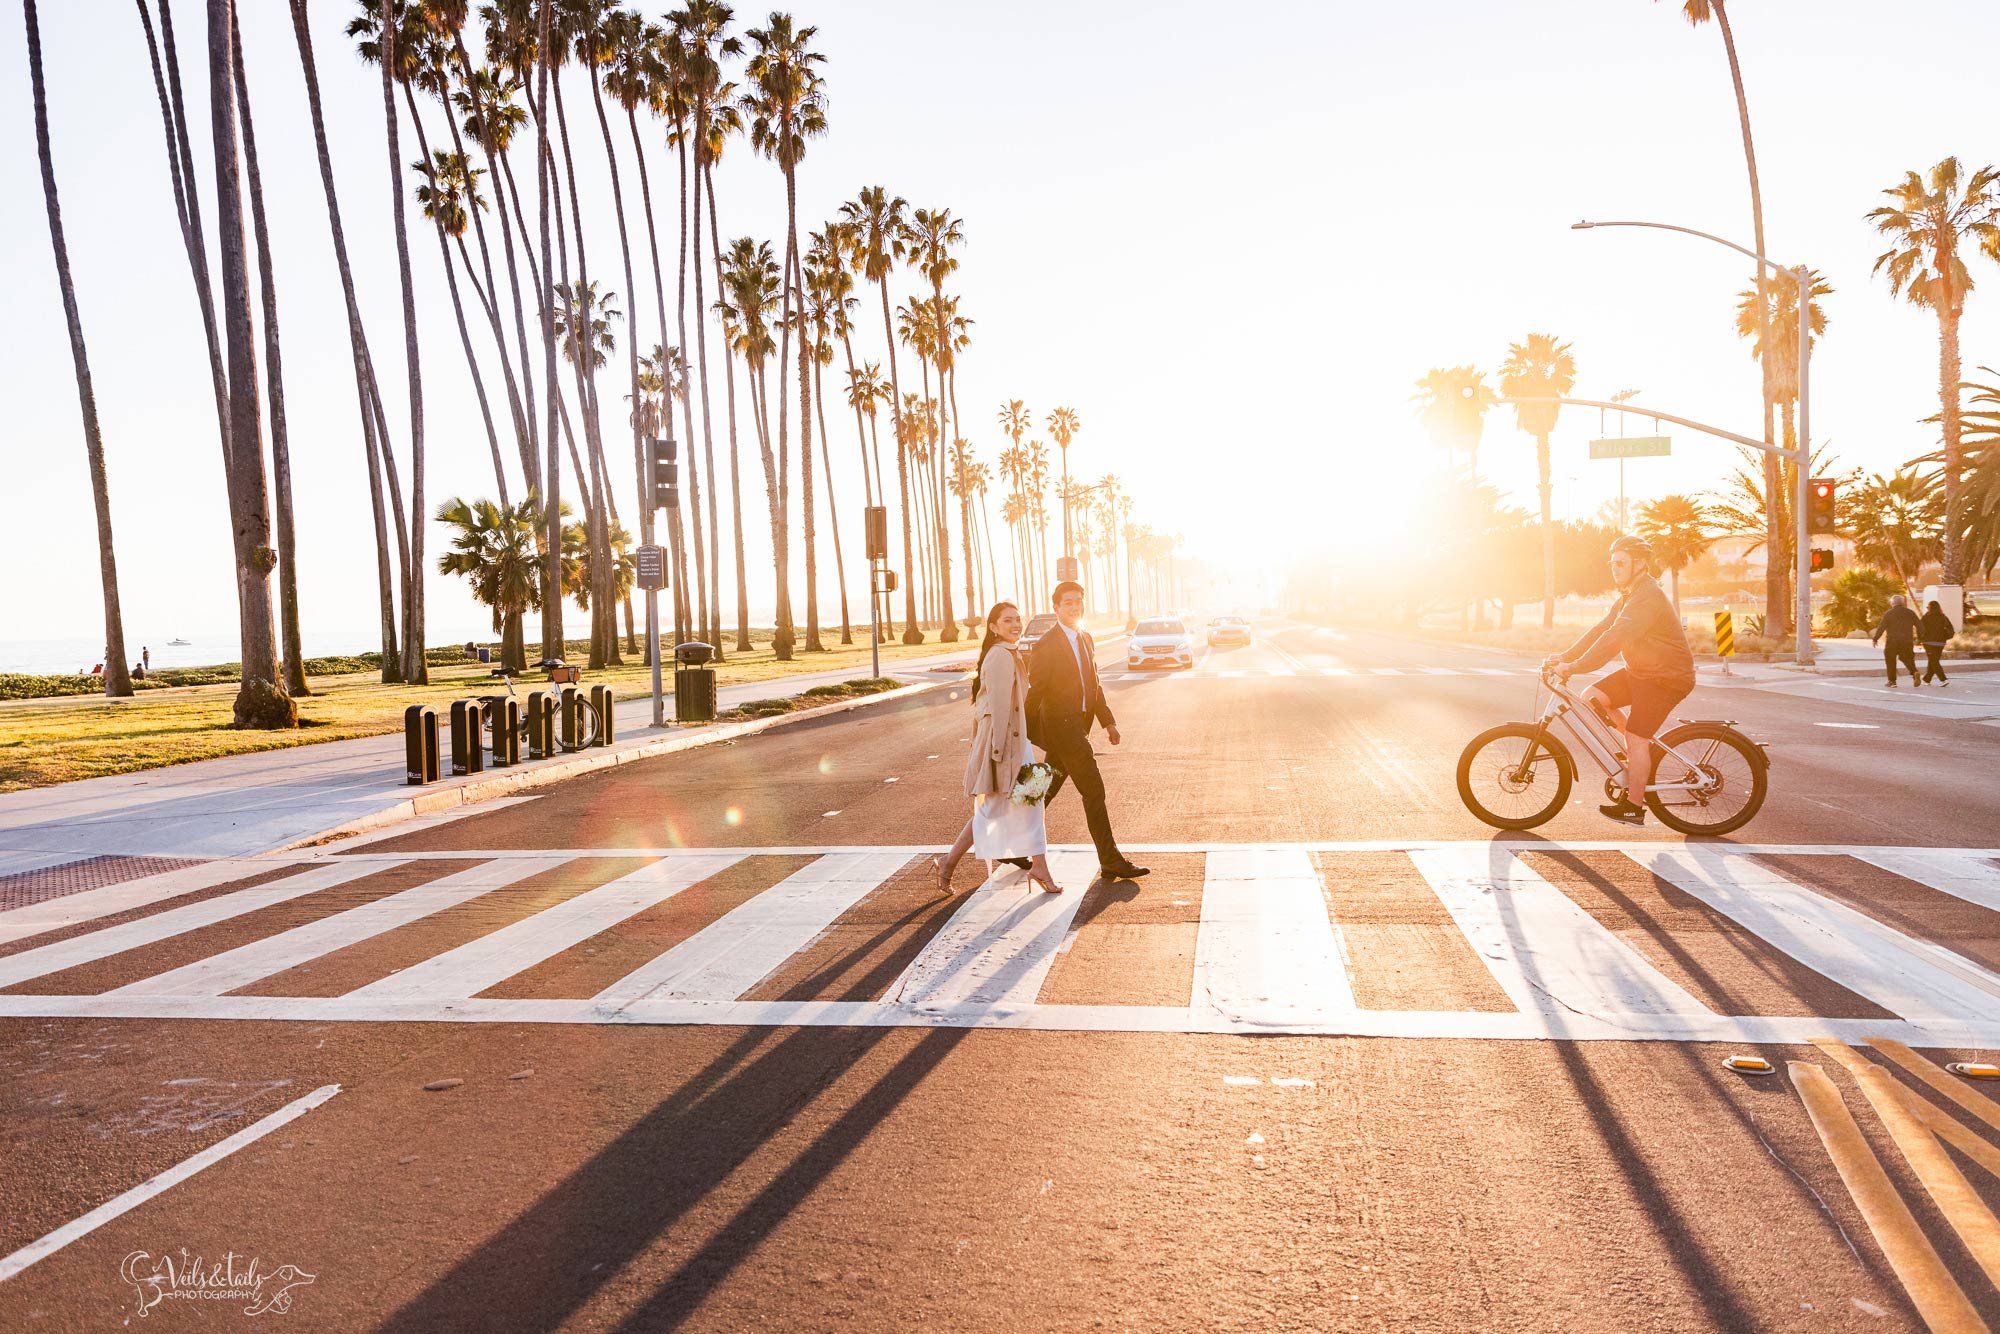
x: 1630, y: 447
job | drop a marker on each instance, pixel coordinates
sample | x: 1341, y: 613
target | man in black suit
x: 1064, y: 702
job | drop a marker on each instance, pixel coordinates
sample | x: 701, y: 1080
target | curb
x: 521, y: 779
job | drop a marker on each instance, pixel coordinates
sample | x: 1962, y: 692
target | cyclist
x: 1658, y: 671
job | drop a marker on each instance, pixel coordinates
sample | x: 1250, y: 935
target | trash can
x: 694, y: 683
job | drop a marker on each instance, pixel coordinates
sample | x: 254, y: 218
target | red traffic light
x: 1824, y: 490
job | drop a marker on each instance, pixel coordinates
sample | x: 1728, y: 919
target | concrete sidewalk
x: 239, y: 805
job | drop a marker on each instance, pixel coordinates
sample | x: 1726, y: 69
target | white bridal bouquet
x: 1031, y: 785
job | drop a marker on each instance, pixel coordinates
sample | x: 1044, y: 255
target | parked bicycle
x: 589, y: 724
x: 1708, y: 778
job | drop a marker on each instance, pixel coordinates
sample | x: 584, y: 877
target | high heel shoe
x: 1049, y: 886
x: 943, y: 876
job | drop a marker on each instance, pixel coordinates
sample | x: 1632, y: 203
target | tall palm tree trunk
x: 293, y: 658
x: 415, y: 667
x: 806, y: 356
x: 700, y: 600
x: 832, y: 505
x: 370, y: 401
x: 117, y: 669
x: 261, y: 700
x: 552, y: 584
x: 1548, y: 535
x: 1949, y: 374
x: 735, y: 454
x: 691, y: 224
x: 912, y: 632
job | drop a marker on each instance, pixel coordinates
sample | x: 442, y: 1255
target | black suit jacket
x: 1057, y: 693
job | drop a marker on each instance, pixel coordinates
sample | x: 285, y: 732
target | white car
x: 1228, y: 630
x: 1159, y: 641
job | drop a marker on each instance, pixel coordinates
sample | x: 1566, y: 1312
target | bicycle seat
x: 504, y: 671
x: 550, y: 664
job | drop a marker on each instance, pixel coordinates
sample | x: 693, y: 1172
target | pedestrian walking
x: 1065, y: 702
x: 1934, y: 631
x: 1002, y: 828
x: 1897, y: 633
x: 146, y: 655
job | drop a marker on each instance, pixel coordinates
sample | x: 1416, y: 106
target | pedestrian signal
x: 662, y: 474
x: 877, y: 526
x: 1822, y: 559
x: 1819, y: 506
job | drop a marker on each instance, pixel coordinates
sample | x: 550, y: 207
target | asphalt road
x: 1344, y: 1060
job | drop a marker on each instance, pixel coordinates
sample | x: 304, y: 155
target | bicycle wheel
x: 1508, y: 787
x: 589, y: 726
x: 1737, y: 772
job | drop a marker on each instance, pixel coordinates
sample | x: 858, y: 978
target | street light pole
x: 1801, y: 453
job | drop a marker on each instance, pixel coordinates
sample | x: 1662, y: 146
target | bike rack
x: 572, y: 717
x: 600, y: 699
x: 420, y: 744
x: 468, y: 752
x: 506, y: 732
x: 541, y: 725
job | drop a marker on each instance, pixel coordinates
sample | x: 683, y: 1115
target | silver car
x: 1228, y: 630
x: 1159, y: 641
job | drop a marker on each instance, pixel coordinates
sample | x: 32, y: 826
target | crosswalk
x: 1583, y: 940
x: 1302, y: 670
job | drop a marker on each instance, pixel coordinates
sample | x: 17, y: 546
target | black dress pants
x: 1893, y: 653
x: 1068, y: 748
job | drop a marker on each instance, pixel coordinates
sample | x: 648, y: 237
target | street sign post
x: 1630, y: 447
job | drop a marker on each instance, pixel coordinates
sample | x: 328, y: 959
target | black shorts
x: 1649, y: 698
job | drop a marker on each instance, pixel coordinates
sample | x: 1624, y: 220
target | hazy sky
x: 1231, y: 247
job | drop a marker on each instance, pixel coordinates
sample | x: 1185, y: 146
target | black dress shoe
x: 1122, y: 871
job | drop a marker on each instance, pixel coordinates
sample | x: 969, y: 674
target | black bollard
x: 572, y: 716
x: 506, y: 732
x: 468, y: 754
x: 541, y: 725
x: 420, y: 744
x: 600, y: 698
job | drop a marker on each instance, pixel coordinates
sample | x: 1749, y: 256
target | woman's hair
x: 1934, y: 607
x: 986, y: 645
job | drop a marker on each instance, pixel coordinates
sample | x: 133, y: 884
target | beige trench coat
x: 999, y: 724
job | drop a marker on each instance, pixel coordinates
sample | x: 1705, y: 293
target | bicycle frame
x: 1597, y: 740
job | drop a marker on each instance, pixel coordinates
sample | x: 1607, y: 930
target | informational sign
x: 651, y: 567
x: 1630, y: 447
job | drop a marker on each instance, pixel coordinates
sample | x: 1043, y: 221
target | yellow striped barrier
x: 1725, y: 639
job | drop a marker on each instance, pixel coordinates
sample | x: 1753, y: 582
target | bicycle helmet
x: 1640, y: 548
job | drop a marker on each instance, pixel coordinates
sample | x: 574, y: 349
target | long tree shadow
x: 545, y: 1264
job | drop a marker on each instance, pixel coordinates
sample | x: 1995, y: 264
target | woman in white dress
x: 1000, y: 828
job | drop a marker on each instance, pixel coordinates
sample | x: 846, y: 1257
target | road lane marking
x: 173, y: 1176
x: 1964, y: 875
x: 1931, y: 1288
x: 1911, y: 978
x: 1266, y: 953
x: 61, y: 954
x: 92, y: 904
x: 998, y: 947
x: 744, y: 946
x: 1544, y: 950
x: 1978, y: 1104
x: 1949, y: 1190
x: 493, y: 958
x: 225, y: 972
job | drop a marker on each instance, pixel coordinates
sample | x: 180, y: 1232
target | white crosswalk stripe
x: 1299, y: 669
x: 1269, y: 950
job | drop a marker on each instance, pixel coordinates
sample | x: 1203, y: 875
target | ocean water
x: 203, y: 648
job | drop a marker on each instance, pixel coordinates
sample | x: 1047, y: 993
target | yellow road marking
x: 1978, y: 1104
x: 1932, y: 1289
x: 1955, y: 1197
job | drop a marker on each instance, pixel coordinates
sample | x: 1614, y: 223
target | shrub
x: 1859, y: 599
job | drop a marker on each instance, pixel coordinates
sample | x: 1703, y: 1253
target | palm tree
x: 261, y: 701
x: 1781, y: 324
x: 787, y: 106
x: 752, y: 301
x: 1697, y: 12
x: 1979, y: 505
x: 448, y: 192
x: 388, y: 40
x: 1895, y: 522
x: 1063, y: 425
x: 1451, y: 403
x: 1680, y: 532
x: 1931, y: 221
x: 879, y: 223
x: 931, y: 236
x: 496, y: 548
x: 117, y: 671
x: 824, y: 308
x: 1540, y: 367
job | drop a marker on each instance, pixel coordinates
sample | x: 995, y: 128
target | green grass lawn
x: 44, y: 741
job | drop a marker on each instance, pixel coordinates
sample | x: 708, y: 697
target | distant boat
x: 177, y: 643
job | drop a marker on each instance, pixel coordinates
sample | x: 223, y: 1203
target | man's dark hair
x: 1066, y: 586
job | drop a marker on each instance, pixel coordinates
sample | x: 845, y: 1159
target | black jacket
x: 1057, y: 692
x: 1899, y: 624
x: 1935, y: 627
